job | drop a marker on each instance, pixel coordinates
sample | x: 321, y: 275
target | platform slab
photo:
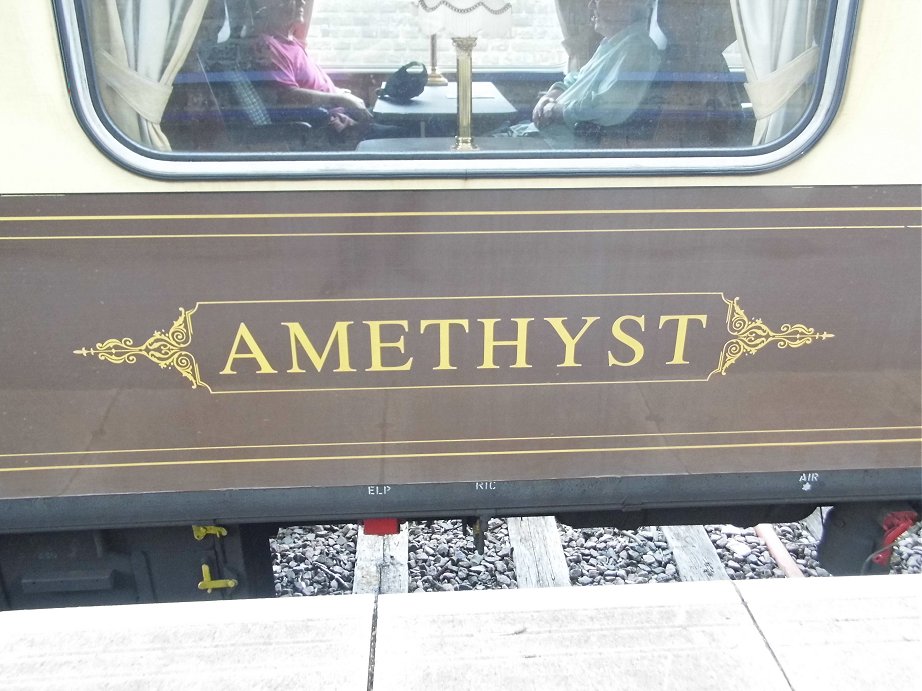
x: 290, y: 643
x: 842, y: 633
x: 664, y: 636
x: 803, y: 634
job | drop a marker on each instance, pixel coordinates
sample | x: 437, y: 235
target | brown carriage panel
x: 209, y: 341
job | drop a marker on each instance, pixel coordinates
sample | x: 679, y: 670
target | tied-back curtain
x: 579, y: 38
x: 780, y: 56
x: 138, y: 47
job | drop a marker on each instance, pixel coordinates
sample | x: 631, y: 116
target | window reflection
x: 213, y: 76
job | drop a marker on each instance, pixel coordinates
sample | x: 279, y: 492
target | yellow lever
x: 208, y: 585
x: 200, y: 531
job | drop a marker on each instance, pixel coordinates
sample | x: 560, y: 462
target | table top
x: 444, y: 144
x: 442, y: 101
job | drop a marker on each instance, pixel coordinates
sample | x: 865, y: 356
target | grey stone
x: 739, y: 549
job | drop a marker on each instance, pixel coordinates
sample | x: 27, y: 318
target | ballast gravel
x: 600, y: 556
x: 745, y: 556
x: 314, y: 560
x: 320, y: 559
x: 907, y: 553
x: 442, y: 556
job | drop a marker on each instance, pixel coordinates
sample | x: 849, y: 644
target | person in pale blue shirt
x: 608, y: 89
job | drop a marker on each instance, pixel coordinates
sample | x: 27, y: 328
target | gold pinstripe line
x: 436, y: 233
x: 422, y: 387
x: 457, y: 454
x: 412, y: 298
x: 418, y: 214
x: 562, y: 437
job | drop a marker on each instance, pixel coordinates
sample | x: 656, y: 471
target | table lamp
x: 435, y: 77
x: 464, y: 21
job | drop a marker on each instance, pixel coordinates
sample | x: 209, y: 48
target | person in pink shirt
x: 293, y: 82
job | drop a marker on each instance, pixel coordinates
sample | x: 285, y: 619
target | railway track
x: 537, y: 552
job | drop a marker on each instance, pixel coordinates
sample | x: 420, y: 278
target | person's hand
x: 547, y: 113
x: 355, y: 105
x: 539, y: 108
x: 339, y: 121
x: 542, y: 112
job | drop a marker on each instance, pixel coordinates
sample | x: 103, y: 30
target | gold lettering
x: 444, y: 338
x: 678, y: 357
x: 256, y: 353
x: 627, y: 340
x: 490, y: 344
x: 377, y: 345
x: 339, y: 335
x: 569, y: 341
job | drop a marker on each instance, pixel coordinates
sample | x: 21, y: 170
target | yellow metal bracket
x: 200, y: 531
x: 208, y: 585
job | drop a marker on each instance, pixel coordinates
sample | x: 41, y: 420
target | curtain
x: 579, y: 38
x: 138, y: 47
x: 780, y: 56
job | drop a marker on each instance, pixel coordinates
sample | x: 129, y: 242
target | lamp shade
x: 464, y: 17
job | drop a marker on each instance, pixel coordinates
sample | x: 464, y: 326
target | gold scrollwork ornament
x: 168, y: 350
x: 752, y: 335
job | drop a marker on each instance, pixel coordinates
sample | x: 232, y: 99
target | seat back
x: 694, y: 101
x: 223, y: 57
x: 702, y: 99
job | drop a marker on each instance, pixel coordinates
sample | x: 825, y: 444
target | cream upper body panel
x: 873, y: 139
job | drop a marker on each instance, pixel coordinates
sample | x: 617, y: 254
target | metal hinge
x: 200, y: 531
x: 208, y: 585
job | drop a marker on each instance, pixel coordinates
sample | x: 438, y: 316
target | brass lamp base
x: 464, y: 144
x: 464, y: 45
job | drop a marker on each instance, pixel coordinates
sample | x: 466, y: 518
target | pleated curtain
x: 138, y: 48
x: 780, y: 56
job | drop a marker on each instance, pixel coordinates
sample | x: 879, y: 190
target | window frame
x: 835, y: 55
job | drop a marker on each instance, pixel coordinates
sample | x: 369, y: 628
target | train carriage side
x: 704, y: 310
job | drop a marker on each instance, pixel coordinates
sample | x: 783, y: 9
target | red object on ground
x: 895, y: 524
x: 381, y: 526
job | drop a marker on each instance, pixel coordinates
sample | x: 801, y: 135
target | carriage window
x: 390, y: 79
